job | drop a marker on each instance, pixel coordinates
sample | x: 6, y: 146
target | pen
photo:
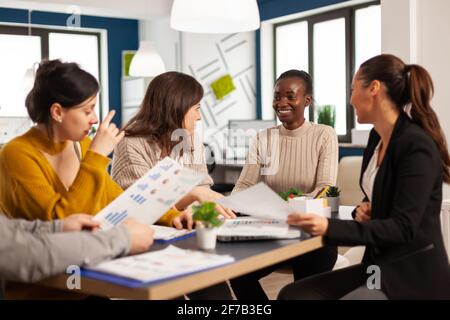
x: 322, y: 192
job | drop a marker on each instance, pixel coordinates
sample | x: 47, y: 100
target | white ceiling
x: 132, y: 9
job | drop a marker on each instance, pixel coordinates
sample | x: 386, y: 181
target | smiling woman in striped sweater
x: 296, y: 154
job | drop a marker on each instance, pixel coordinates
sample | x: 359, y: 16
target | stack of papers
x: 161, y: 265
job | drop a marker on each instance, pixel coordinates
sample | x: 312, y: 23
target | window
x: 15, y: 82
x: 15, y: 77
x: 367, y: 40
x: 329, y: 74
x: 330, y: 46
x: 292, y: 39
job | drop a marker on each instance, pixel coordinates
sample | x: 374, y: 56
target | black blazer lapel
x: 385, y: 169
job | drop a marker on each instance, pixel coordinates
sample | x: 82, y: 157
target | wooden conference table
x: 249, y: 255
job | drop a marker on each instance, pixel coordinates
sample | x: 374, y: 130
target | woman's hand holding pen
x: 309, y: 222
x: 107, y: 136
x: 363, y: 212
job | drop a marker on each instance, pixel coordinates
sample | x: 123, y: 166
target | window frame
x: 348, y: 13
x: 43, y: 33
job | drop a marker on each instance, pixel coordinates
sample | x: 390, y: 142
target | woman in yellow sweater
x: 54, y: 170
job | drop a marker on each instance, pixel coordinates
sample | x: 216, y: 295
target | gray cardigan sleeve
x: 30, y: 257
x: 35, y: 226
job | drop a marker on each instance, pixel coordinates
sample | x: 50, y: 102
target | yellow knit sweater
x: 31, y: 189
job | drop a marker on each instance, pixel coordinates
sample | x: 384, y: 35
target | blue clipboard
x: 132, y: 283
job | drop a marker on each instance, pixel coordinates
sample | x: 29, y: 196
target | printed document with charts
x: 151, y: 196
x: 160, y: 265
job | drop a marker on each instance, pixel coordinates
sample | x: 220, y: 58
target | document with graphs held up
x: 151, y: 196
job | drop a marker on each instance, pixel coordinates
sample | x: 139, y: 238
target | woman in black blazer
x: 405, y: 164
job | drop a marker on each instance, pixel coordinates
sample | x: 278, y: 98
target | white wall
x: 417, y: 31
x: 208, y: 57
x: 135, y: 9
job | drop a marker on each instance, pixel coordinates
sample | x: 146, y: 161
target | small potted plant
x: 326, y: 115
x: 207, y: 221
x: 333, y: 198
x: 290, y: 194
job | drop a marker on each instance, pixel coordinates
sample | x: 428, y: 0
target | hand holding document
x: 258, y: 201
x: 262, y: 202
x: 151, y: 196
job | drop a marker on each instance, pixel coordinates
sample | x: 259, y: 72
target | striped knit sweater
x: 134, y: 156
x: 305, y: 158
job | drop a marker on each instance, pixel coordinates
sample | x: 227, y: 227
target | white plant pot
x: 334, y: 203
x: 206, y: 237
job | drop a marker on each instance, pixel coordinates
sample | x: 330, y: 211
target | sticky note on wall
x: 223, y: 86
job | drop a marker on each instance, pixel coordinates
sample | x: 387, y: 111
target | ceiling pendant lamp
x: 215, y: 16
x: 146, y: 62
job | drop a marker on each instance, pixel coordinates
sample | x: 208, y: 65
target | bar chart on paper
x: 116, y: 217
x: 139, y: 199
x: 151, y: 196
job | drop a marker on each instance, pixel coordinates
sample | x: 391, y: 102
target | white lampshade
x: 215, y: 16
x: 146, y: 62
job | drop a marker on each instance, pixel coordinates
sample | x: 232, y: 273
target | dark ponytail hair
x: 302, y: 75
x: 409, y: 85
x: 58, y: 82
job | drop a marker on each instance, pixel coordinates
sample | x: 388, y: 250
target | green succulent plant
x: 207, y: 214
x: 333, y: 192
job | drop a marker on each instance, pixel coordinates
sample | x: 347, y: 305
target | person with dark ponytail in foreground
x: 405, y: 164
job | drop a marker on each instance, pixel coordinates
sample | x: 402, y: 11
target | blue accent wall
x: 269, y: 9
x: 123, y: 34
